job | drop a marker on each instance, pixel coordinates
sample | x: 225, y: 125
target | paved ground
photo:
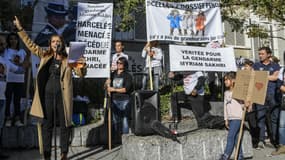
x: 99, y: 153
x: 75, y: 153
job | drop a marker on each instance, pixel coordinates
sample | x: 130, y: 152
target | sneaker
x: 8, y: 123
x: 280, y: 150
x: 260, y: 145
x: 18, y: 123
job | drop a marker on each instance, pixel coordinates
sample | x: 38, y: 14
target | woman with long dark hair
x: 54, y: 89
x: 15, y: 81
x: 120, y: 87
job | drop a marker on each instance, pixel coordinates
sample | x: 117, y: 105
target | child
x: 233, y: 116
x: 247, y: 65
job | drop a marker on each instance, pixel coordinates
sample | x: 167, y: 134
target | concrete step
x: 205, y: 144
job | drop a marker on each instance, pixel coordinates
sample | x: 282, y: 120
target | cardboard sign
x: 251, y: 86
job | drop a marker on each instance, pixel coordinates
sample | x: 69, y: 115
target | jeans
x: 282, y: 127
x: 267, y: 116
x: 234, y: 126
x: 120, y: 114
x: 2, y: 112
x: 156, y: 72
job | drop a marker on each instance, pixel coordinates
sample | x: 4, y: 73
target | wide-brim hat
x: 55, y: 9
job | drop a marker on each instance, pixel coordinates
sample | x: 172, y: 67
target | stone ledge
x: 27, y: 136
x: 203, y: 144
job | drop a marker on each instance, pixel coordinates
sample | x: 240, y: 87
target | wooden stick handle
x: 41, y: 148
x: 240, y: 134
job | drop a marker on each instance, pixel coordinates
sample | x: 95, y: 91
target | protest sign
x: 190, y: 58
x: 251, y: 86
x: 94, y: 26
x: 195, y: 21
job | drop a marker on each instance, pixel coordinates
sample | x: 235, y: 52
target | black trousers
x: 195, y: 103
x: 48, y: 123
x: 15, y: 91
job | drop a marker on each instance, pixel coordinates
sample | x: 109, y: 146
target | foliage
x: 264, y: 9
x: 165, y: 104
x: 124, y: 10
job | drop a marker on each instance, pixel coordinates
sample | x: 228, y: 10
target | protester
x: 274, y: 59
x: 56, y: 23
x: 153, y: 56
x: 120, y: 87
x: 3, y: 71
x: 281, y: 129
x: 247, y: 65
x: 267, y: 113
x: 192, y: 96
x: 251, y: 116
x: 53, y: 89
x: 119, y: 52
x: 233, y: 116
x: 15, y: 81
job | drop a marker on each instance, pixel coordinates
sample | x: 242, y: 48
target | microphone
x: 58, y: 48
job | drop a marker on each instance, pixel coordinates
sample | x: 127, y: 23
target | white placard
x: 190, y: 58
x: 195, y: 21
x: 94, y: 26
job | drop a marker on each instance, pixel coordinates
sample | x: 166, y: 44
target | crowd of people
x: 266, y: 122
x: 53, y: 91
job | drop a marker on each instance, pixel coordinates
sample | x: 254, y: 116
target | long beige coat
x: 65, y: 81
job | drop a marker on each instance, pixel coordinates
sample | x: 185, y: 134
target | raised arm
x: 34, y: 48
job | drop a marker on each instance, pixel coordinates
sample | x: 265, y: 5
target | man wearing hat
x: 56, y: 23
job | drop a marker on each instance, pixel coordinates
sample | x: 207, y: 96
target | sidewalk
x: 75, y: 153
x: 99, y: 153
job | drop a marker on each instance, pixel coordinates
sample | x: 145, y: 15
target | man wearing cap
x: 56, y: 23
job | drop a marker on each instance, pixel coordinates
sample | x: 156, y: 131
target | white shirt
x: 156, y: 58
x: 232, y: 108
x: 3, y: 80
x: 9, y: 56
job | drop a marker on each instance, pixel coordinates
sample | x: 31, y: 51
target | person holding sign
x: 192, y: 96
x: 232, y: 116
x: 120, y: 87
x: 53, y: 94
x: 153, y: 56
x: 267, y: 112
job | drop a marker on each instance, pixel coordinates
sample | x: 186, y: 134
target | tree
x: 270, y: 10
